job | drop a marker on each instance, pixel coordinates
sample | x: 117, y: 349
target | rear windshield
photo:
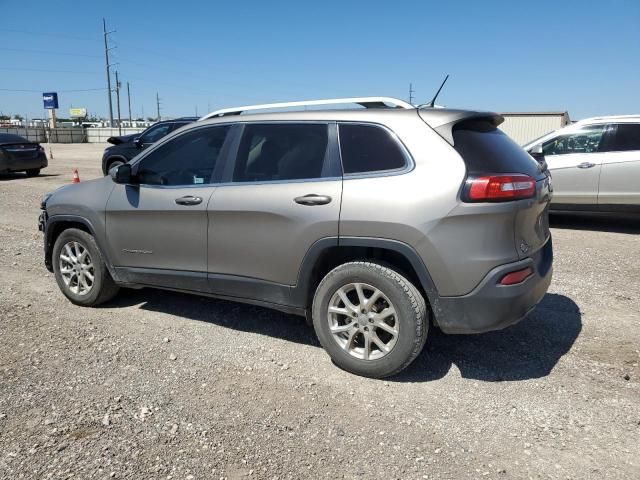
x: 486, y: 149
x: 12, y: 138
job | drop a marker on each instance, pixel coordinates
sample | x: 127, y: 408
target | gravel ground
x: 163, y: 385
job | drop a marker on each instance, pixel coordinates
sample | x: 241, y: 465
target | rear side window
x: 156, y: 133
x: 486, y: 149
x: 622, y: 137
x: 272, y: 152
x: 369, y: 148
x: 11, y: 138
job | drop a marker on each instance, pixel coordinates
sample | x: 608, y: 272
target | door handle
x: 586, y: 165
x: 313, y: 199
x: 189, y: 200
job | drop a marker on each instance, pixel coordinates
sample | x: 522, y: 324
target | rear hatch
x: 487, y: 151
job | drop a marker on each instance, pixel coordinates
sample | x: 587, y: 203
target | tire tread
x: 416, y: 300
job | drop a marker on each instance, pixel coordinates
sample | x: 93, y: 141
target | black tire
x: 412, y: 318
x: 103, y: 288
x: 34, y: 172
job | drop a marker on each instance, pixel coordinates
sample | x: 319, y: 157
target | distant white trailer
x: 526, y: 126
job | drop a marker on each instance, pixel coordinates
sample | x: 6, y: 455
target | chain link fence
x: 68, y: 135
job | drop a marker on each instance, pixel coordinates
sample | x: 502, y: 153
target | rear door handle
x: 313, y: 199
x: 586, y: 165
x: 189, y: 200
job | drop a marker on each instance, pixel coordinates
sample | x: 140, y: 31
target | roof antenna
x: 433, y: 100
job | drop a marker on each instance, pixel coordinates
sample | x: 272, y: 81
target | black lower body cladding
x: 491, y: 306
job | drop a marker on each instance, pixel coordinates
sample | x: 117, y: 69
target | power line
x: 44, y: 89
x: 118, y: 101
x: 49, y: 34
x: 411, y: 92
x: 44, y: 70
x: 129, y: 102
x: 49, y: 52
x: 106, y: 56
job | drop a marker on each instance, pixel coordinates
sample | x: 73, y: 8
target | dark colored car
x: 128, y: 146
x: 17, y: 154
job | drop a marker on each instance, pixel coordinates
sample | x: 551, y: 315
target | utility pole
x: 129, y: 102
x: 118, y: 100
x: 106, y: 57
x: 158, y: 105
x: 411, y: 92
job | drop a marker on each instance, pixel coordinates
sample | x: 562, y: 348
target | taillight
x: 498, y: 188
x: 517, y: 276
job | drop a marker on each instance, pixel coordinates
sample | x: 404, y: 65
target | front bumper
x: 42, y: 226
x: 491, y: 306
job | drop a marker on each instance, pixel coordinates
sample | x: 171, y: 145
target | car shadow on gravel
x: 238, y: 316
x: 598, y: 222
x: 530, y: 349
x: 524, y: 351
x: 23, y: 176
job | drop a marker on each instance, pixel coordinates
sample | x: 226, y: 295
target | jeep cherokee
x: 373, y: 222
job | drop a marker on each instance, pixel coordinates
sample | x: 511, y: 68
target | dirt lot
x: 163, y: 385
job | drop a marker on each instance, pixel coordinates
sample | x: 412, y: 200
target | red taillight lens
x: 516, y: 277
x: 499, y: 188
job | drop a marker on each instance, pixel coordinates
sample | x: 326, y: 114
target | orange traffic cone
x: 76, y: 177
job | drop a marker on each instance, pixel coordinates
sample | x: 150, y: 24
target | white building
x: 526, y: 126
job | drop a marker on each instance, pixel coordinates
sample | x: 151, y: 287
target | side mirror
x: 536, y: 151
x: 138, y: 142
x: 122, y: 174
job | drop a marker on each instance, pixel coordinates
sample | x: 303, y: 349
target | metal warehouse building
x: 526, y: 126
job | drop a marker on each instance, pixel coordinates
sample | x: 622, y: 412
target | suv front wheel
x: 80, y: 270
x: 370, y: 319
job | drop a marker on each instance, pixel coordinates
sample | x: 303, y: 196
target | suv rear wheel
x: 80, y: 270
x: 370, y: 319
x: 114, y: 164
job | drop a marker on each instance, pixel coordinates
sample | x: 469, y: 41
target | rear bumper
x: 8, y: 164
x: 491, y: 306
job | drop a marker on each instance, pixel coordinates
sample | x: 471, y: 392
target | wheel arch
x: 327, y: 253
x: 58, y: 224
x: 110, y: 159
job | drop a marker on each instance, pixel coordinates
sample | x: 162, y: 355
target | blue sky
x: 580, y: 56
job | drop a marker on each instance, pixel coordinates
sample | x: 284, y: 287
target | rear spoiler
x: 443, y: 120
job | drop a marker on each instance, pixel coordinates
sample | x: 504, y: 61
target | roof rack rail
x: 366, y: 102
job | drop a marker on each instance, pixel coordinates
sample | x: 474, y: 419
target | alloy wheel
x: 76, y: 268
x: 363, y: 321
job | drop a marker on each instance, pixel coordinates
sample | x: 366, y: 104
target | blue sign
x: 50, y: 100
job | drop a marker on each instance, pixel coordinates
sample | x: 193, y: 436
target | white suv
x: 595, y: 164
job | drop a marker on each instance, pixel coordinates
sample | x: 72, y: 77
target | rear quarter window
x: 486, y: 149
x: 369, y: 148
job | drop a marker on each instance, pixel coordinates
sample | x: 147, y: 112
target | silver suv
x: 372, y: 222
x: 595, y: 164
